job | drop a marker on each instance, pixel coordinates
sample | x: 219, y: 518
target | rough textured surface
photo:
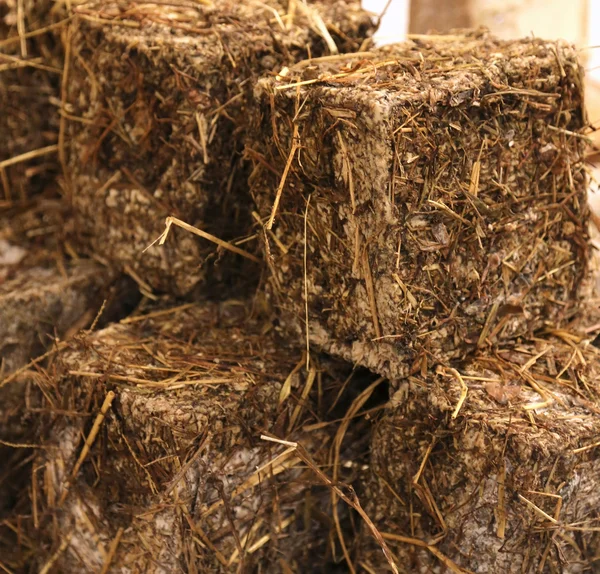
x: 43, y: 294
x: 45, y: 298
x: 158, y: 131
x: 475, y: 484
x: 179, y: 464
x: 433, y: 199
x: 29, y: 95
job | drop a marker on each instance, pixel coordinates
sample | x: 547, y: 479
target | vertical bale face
x: 45, y: 299
x: 501, y: 481
x: 30, y: 71
x: 436, y: 189
x: 179, y: 462
x: 157, y: 130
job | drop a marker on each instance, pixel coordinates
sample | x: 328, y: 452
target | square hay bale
x: 45, y: 298
x: 493, y: 466
x: 158, y: 131
x: 43, y: 293
x: 427, y: 198
x: 30, y: 70
x: 178, y: 478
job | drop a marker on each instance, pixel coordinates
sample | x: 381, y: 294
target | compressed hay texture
x: 428, y: 198
x: 30, y: 72
x: 38, y: 305
x: 506, y: 481
x: 158, y: 131
x: 178, y: 470
x: 45, y: 297
x: 43, y: 294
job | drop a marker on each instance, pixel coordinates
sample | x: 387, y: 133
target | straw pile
x: 158, y: 131
x: 492, y: 466
x: 179, y: 479
x: 426, y: 199
x: 30, y: 68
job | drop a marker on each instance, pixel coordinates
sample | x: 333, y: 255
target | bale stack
x: 492, y: 466
x: 426, y: 199
x: 159, y: 130
x: 31, y: 64
x: 420, y: 211
x: 179, y: 478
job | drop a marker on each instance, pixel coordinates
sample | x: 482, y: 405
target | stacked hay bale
x: 245, y: 501
x: 31, y: 62
x: 44, y: 292
x: 431, y: 197
x: 159, y: 130
x: 492, y: 466
x: 421, y: 212
x: 179, y: 479
x: 46, y: 296
x: 431, y: 202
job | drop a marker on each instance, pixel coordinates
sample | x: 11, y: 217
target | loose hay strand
x: 89, y: 441
x: 112, y: 550
x: 29, y: 155
x: 355, y: 407
x: 305, y: 263
x: 353, y: 501
x: 288, y: 165
x: 464, y: 389
x: 200, y: 233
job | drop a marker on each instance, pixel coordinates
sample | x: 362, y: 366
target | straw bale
x: 428, y: 198
x: 45, y: 297
x: 505, y: 481
x: 30, y: 71
x: 157, y: 131
x: 178, y: 463
x: 43, y: 293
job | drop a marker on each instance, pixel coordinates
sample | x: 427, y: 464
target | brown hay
x: 172, y: 474
x: 157, y: 132
x: 43, y: 294
x: 509, y: 484
x: 447, y: 195
x: 30, y: 69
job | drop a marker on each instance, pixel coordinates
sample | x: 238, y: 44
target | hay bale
x: 46, y: 294
x: 159, y: 130
x: 30, y: 72
x: 428, y: 198
x: 38, y: 306
x: 179, y: 472
x: 505, y: 481
x: 45, y: 297
x: 43, y: 293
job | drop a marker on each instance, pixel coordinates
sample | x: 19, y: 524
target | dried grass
x: 158, y: 131
x: 422, y: 211
x: 44, y: 294
x: 30, y: 69
x: 447, y: 191
x: 508, y: 482
x: 153, y: 459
